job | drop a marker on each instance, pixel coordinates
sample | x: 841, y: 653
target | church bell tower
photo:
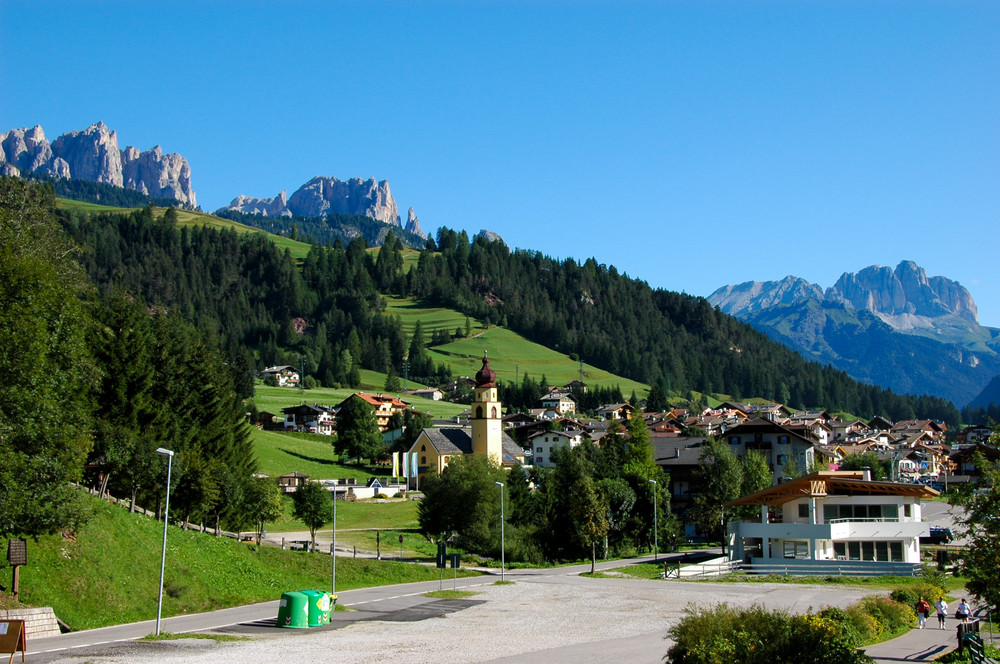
x: 487, y: 436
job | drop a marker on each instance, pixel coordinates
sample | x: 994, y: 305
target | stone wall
x: 38, y: 623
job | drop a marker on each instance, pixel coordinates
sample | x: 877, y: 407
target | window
x: 423, y: 448
x: 782, y: 459
x: 538, y: 449
x: 782, y: 440
x: 734, y: 440
x: 803, y: 511
x: 479, y: 412
x: 799, y: 550
x: 906, y: 510
x: 540, y: 460
x: 494, y: 412
x: 423, y: 461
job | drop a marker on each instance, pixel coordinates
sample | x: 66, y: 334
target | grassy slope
x: 273, y: 399
x: 510, y: 352
x: 108, y: 574
x: 191, y: 218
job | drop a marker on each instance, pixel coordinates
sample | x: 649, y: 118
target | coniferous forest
x: 326, y: 314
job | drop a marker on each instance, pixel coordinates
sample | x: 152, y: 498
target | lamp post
x: 163, y: 555
x: 656, y: 544
x: 502, y: 555
x: 333, y: 546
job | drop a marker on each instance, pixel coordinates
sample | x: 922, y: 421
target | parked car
x: 939, y: 535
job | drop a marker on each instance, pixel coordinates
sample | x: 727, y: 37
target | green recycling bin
x: 319, y: 607
x: 293, y: 611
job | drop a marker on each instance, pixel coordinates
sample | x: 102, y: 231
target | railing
x: 833, y: 568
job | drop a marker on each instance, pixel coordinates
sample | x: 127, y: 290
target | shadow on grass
x: 306, y: 457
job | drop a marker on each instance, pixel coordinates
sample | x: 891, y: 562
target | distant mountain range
x: 93, y: 154
x: 897, y: 328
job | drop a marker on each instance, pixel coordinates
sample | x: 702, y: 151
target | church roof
x: 486, y: 377
x: 456, y: 440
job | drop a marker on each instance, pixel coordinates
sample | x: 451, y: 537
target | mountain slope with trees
x: 327, y: 314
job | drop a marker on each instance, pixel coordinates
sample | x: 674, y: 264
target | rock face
x: 323, y: 195
x: 157, y: 174
x: 491, y: 236
x: 93, y: 154
x: 413, y: 225
x: 757, y: 295
x: 901, y: 294
x: 897, y: 328
x: 903, y: 298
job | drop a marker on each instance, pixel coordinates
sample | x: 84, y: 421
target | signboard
x: 12, y: 638
x: 442, y: 555
x: 456, y: 560
x: 17, y: 552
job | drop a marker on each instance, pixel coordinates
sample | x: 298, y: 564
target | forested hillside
x: 327, y: 229
x: 264, y: 309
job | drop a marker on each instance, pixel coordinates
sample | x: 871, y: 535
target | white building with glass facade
x: 832, y: 520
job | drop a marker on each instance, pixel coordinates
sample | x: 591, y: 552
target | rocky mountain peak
x: 902, y: 295
x: 413, y: 224
x: 93, y: 154
x: 322, y: 195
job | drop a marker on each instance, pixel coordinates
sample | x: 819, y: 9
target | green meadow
x: 106, y: 572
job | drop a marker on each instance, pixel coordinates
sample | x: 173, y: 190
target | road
x: 550, y: 615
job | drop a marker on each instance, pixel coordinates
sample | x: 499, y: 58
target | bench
x: 977, y: 649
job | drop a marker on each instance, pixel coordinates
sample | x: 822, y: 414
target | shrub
x: 891, y: 615
x: 857, y: 627
x: 758, y: 636
x: 909, y: 596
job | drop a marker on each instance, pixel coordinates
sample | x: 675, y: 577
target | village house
x: 434, y: 448
x: 432, y: 393
x: 285, y: 375
x: 787, y: 452
x: 560, y: 402
x: 310, y: 418
x: 615, y: 411
x: 384, y: 405
x: 831, y: 521
x: 544, y: 442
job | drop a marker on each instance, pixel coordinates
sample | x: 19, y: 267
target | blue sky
x: 690, y: 144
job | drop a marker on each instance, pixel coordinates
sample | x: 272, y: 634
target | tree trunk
x: 593, y: 556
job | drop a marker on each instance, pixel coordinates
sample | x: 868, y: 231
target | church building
x: 434, y: 448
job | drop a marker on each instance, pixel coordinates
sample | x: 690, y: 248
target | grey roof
x: 456, y: 440
x: 677, y: 451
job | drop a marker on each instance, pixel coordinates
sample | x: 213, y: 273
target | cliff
x: 93, y: 154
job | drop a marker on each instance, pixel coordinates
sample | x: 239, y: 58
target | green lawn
x: 107, y: 571
x: 431, y: 317
x: 273, y: 399
x: 357, y: 515
x: 511, y: 355
x: 279, y: 453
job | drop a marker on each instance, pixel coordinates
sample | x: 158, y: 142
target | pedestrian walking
x: 923, y: 609
x: 942, y: 611
x: 964, y: 611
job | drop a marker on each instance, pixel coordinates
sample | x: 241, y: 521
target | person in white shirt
x: 964, y: 610
x: 942, y: 611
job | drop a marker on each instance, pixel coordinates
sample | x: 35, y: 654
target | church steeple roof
x: 486, y: 377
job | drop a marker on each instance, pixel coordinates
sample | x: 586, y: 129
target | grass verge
x: 107, y: 572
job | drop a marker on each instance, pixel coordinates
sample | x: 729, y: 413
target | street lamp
x: 333, y: 546
x: 502, y: 555
x: 656, y: 545
x: 163, y: 555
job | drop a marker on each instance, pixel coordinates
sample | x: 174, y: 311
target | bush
x: 909, y: 596
x: 757, y: 635
x: 891, y: 615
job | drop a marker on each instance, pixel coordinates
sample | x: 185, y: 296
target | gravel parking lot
x: 552, y: 618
